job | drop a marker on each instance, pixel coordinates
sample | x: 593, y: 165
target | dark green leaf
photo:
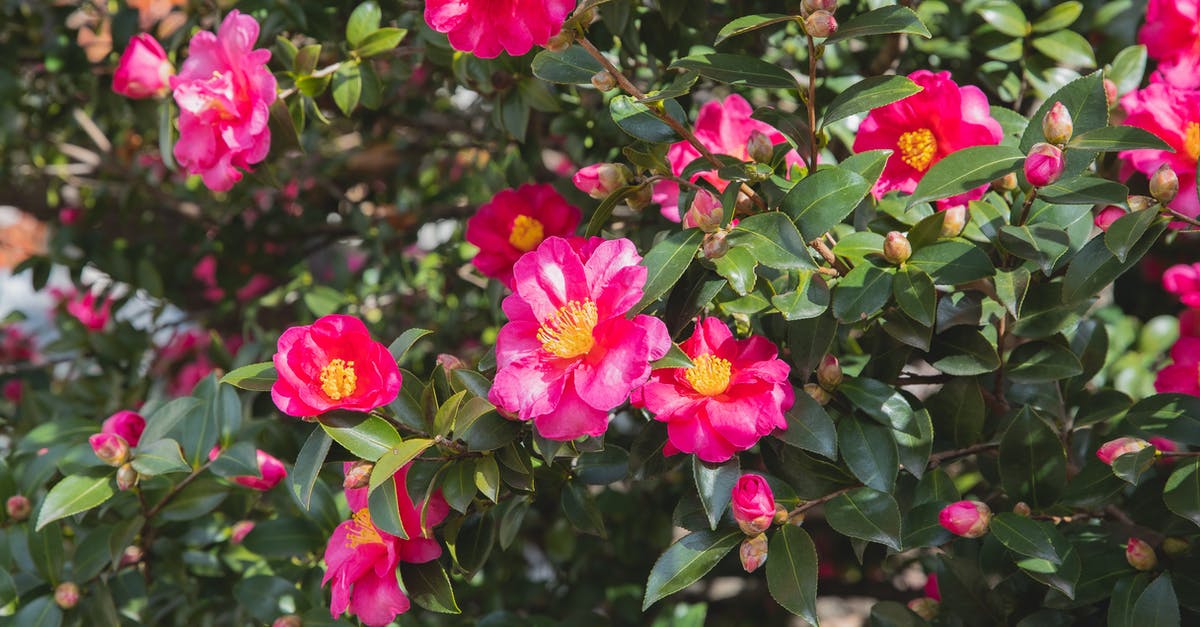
x: 809, y: 300
x: 40, y: 612
x: 867, y: 514
x: 868, y: 94
x: 1027, y: 537
x: 255, y: 377
x: 736, y: 69
x: 916, y: 295
x: 1124, y: 595
x: 1158, y: 604
x: 714, y: 485
x: 368, y: 437
x: 1124, y: 234
x: 160, y: 457
x: 580, y: 509
x: 380, y: 42
x: 429, y: 586
x: 773, y: 240
x: 1033, y: 463
x: 1132, y: 466
x: 823, y: 199
x: 308, y: 466
x: 396, y: 458
x: 953, y: 262
x: 881, y: 21
x: 690, y: 558
x: 1085, y: 100
x: 869, y: 451
x: 792, y: 572
x: 737, y: 266
x: 749, y: 23
x: 861, y: 293
x: 963, y: 352
x: 167, y: 417
x: 958, y: 411
x: 809, y: 427
x: 283, y: 538
x: 572, y: 66
x: 384, y: 507
x: 458, y: 484
x: 638, y: 121
x: 666, y: 262
x: 1041, y: 362
x: 1117, y: 138
x: 1095, y: 267
x: 964, y: 170
x: 1172, y: 416
x: 74, y: 494
x: 1085, y: 190
x: 1043, y: 244
x: 1182, y: 491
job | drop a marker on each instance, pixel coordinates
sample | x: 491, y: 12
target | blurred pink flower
x: 485, y: 27
x: 1183, y: 280
x: 144, y: 70
x: 1183, y: 375
x: 16, y: 346
x: 91, y: 312
x: 12, y: 390
x: 270, y: 470
x: 516, y: 221
x: 1174, y: 116
x: 1171, y: 35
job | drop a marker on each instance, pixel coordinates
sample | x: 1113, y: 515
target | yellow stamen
x: 362, y: 530
x: 338, y: 379
x: 526, y: 233
x: 1191, y: 141
x: 710, y: 375
x: 568, y: 333
x: 918, y: 148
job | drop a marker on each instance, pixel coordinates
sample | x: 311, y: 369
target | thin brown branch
x: 937, y: 458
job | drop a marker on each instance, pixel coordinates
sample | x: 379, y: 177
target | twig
x: 812, y: 104
x: 807, y: 505
x: 937, y: 458
x: 1183, y: 218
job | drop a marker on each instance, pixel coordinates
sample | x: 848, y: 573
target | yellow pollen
x: 526, y: 233
x: 1191, y: 141
x: 710, y: 375
x: 338, y: 379
x: 918, y: 148
x: 568, y: 333
x: 362, y: 530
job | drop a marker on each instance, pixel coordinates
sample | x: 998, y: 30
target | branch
x: 937, y: 458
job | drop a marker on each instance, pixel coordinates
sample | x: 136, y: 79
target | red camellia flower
x: 736, y: 393
x: 516, y: 221
x: 1174, y: 116
x: 925, y: 127
x: 485, y: 27
x: 333, y: 364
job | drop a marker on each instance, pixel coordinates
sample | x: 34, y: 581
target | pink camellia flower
x: 968, y: 519
x: 68, y: 216
x: 569, y: 354
x: 224, y: 91
x: 931, y: 587
x: 144, y: 70
x: 1183, y: 280
x: 1111, y: 450
x: 1174, y: 116
x: 753, y: 504
x: 1171, y: 35
x: 1182, y: 376
x: 16, y: 346
x: 724, y: 127
x: 270, y: 471
x: 1107, y: 216
x: 736, y: 393
x: 127, y: 424
x: 361, y: 559
x: 925, y: 127
x: 485, y: 27
x: 90, y: 311
x: 1140, y: 555
x: 516, y: 221
x: 12, y: 390
x: 333, y: 364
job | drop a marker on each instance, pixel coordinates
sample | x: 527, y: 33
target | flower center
x: 338, y: 379
x: 526, y: 233
x: 918, y: 148
x: 1191, y: 141
x: 710, y: 375
x: 362, y: 530
x: 568, y: 333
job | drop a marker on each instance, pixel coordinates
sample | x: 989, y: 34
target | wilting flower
x: 224, y: 91
x: 724, y: 127
x: 270, y: 471
x: 1171, y: 35
x: 361, y: 559
x: 333, y: 364
x: 144, y: 70
x: 925, y: 127
x: 1174, y: 116
x: 1140, y: 555
x: 969, y: 519
x: 516, y: 221
x: 569, y: 354
x: 1111, y: 450
x: 753, y: 504
x: 89, y: 310
x: 1182, y: 376
x: 736, y: 393
x: 485, y: 27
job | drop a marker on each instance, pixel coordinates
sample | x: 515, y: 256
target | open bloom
x: 925, y: 127
x: 144, y: 71
x: 89, y: 310
x: 270, y: 471
x: 753, y: 504
x: 224, y: 91
x: 333, y: 364
x: 736, y: 393
x: 1174, y: 116
x: 1171, y: 35
x: 569, y: 354
x: 1182, y: 376
x: 485, y: 27
x: 724, y: 127
x: 516, y: 221
x: 361, y: 559
x: 1183, y: 280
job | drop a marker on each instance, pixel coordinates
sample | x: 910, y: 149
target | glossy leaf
x: 823, y: 199
x: 867, y: 514
x: 750, y: 23
x: 572, y: 66
x: 869, y: 451
x: 964, y: 170
x: 1182, y: 491
x: 738, y: 70
x: 809, y: 427
x: 773, y: 240
x: 868, y: 94
x: 688, y: 559
x: 254, y: 377
x: 881, y: 21
x: 792, y: 572
x: 74, y: 494
x: 666, y: 262
x: 861, y: 293
x: 368, y: 437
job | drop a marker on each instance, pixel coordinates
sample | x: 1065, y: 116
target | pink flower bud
x: 753, y: 552
x: 127, y: 477
x: 714, y: 245
x: 896, y: 248
x: 1113, y: 449
x: 753, y: 504
x: 1110, y: 93
x: 1056, y: 125
x: 966, y: 518
x: 289, y: 620
x: 601, y: 179
x: 705, y: 213
x: 66, y: 595
x: 954, y: 220
x: 450, y: 363
x: 829, y: 373
x: 18, y: 507
x: 931, y: 587
x: 1140, y: 555
x: 759, y: 147
x: 144, y: 71
x: 1107, y: 216
x: 1164, y: 184
x: 1022, y: 509
x: 821, y: 24
x: 818, y: 393
x: 1044, y: 165
x: 111, y: 448
x: 358, y: 476
x: 126, y: 424
x: 819, y: 5
x: 131, y: 555
x: 240, y: 530
x: 603, y: 80
x: 925, y: 607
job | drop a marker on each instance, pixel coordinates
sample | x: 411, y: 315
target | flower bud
x: 829, y: 373
x: 127, y: 477
x: 820, y: 24
x: 931, y: 587
x: 753, y: 552
x: 1006, y: 183
x: 1110, y: 93
x: 66, y: 595
x: 818, y: 393
x: 809, y: 6
x: 603, y: 80
x: 69, y: 215
x: 288, y: 620
x: 110, y: 448
x: 240, y: 530
x: 1140, y: 203
x: 1022, y: 509
x: 359, y: 475
x: 714, y: 245
x: 1107, y: 216
x: 144, y: 70
x: 131, y: 555
x: 1140, y: 555
x: 601, y: 179
x: 925, y: 607
x: 640, y: 198
x: 561, y: 41
x: 1164, y: 184
x: 1044, y: 165
x: 781, y: 514
x: 759, y: 147
x: 753, y: 504
x: 450, y: 363
x: 1175, y: 546
x: 968, y: 519
x: 1056, y: 125
x: 896, y: 248
x: 705, y: 213
x: 18, y: 507
x: 954, y: 220
x: 1113, y: 449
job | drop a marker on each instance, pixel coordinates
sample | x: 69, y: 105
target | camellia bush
x: 660, y: 312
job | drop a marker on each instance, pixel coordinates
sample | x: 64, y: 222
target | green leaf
x: 809, y: 300
x: 916, y: 295
x: 1130, y: 467
x: 510, y: 521
x: 714, y: 485
x: 428, y: 586
x: 1005, y: 17
x: 487, y: 477
x: 40, y: 612
x: 861, y: 293
x: 809, y: 428
x: 679, y: 86
x: 1033, y: 463
x: 1042, y: 362
x: 858, y: 246
x: 384, y: 507
x: 963, y: 352
x: 572, y: 66
x: 220, y: 405
x: 380, y: 42
x: 1043, y: 244
x: 1158, y: 604
x: 473, y: 544
x: 46, y: 549
x: 160, y: 457
x: 1123, y: 235
x: 1117, y: 138
x: 881, y: 21
x: 1128, y: 68
x: 868, y: 165
x: 284, y: 538
x: 737, y: 266
x: 749, y: 23
x: 1172, y: 416
x: 347, y: 86
x: 458, y: 484
x: 367, y: 437
x: 363, y: 21
x: 396, y: 458
x: 823, y: 199
x: 401, y: 345
x: 1067, y: 47
x: 964, y: 170
x: 867, y: 514
x: 1027, y: 537
x: 736, y: 69
x: 869, y: 451
x: 666, y: 262
x: 952, y: 262
x: 690, y: 558
x: 74, y: 494
x: 878, y: 400
x: 167, y: 417
x: 603, y: 467
x: 1059, y: 16
x: 166, y: 143
x: 308, y: 466
x: 1062, y: 577
x: 868, y: 94
x: 8, y: 589
x: 792, y: 572
x: 580, y: 509
x: 1125, y: 594
x: 1182, y: 491
x: 639, y: 122
x: 921, y: 527
x: 773, y: 240
x: 254, y: 377
x: 1085, y: 190
x: 958, y: 411
x: 1085, y: 100
x: 1095, y: 267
